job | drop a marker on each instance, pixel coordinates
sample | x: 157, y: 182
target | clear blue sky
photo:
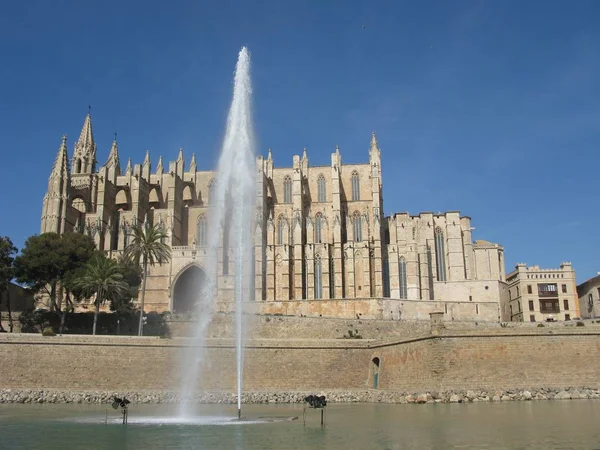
x: 491, y: 108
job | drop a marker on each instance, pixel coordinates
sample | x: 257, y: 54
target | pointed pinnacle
x: 147, y: 158
x: 270, y: 156
x: 304, y: 153
x: 180, y: 156
x: 374, y: 144
x: 86, y: 136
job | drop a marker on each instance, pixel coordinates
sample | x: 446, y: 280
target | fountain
x: 230, y: 227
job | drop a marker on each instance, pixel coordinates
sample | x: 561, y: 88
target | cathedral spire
x: 113, y: 157
x: 128, y: 169
x: 270, y: 155
x: 84, y: 156
x: 61, y: 163
x: 160, y: 166
x: 180, y: 163
x: 146, y: 167
x: 193, y: 165
x: 374, y: 144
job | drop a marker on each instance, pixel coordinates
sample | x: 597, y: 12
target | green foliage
x: 48, y: 331
x: 102, y: 279
x: 50, y: 259
x: 7, y: 257
x: 7, y: 273
x: 147, y: 245
x: 580, y: 324
x: 503, y: 324
x: 132, y: 275
x: 540, y: 325
x: 82, y: 323
x: 352, y: 335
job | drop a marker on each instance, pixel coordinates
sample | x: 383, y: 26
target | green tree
x: 7, y: 273
x: 47, y: 265
x: 103, y: 279
x: 147, y: 247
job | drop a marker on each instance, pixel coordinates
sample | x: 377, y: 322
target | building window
x: 476, y: 309
x: 564, y: 288
x: 321, y: 189
x: 318, y: 278
x: 547, y: 290
x: 529, y: 289
x: 530, y: 305
x: 201, y: 238
x: 518, y: 291
x: 280, y: 230
x: 590, y: 301
x: 440, y: 254
x: 355, y: 187
x: 549, y: 306
x: 357, y: 227
x: 509, y: 294
x: 403, y: 279
x: 287, y: 189
x: 385, y: 269
x: 318, y: 224
x: 225, y: 260
x: 532, y: 318
x: 212, y: 192
x: 566, y: 304
x: 567, y: 316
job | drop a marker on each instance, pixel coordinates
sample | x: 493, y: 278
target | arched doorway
x: 187, y: 290
x: 375, y: 363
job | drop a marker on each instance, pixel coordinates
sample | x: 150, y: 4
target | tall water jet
x: 231, y: 223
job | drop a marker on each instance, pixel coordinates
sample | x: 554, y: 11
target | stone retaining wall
x: 541, y: 361
x: 355, y: 396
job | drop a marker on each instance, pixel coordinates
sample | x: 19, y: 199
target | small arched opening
x: 375, y: 364
x: 188, y: 289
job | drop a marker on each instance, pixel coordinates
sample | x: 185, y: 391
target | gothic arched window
x: 212, y: 192
x: 385, y: 274
x: 318, y: 277
x: 440, y: 254
x: 403, y: 279
x: 321, y: 189
x: 287, y: 189
x: 280, y: 230
x: 357, y: 227
x: 318, y: 227
x: 202, y: 232
x: 355, y: 186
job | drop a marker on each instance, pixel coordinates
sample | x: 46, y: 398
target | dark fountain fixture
x: 315, y: 402
x: 123, y: 404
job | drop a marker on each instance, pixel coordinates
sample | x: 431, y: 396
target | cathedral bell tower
x: 84, y: 156
x: 54, y: 209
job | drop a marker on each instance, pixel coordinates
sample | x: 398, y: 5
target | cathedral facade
x: 323, y: 246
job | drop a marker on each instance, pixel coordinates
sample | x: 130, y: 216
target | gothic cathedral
x: 323, y: 246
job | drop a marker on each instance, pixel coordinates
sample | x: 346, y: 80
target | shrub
x: 540, y: 325
x: 48, y: 331
x: 580, y: 324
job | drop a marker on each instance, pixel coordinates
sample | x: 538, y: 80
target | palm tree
x: 147, y: 247
x: 102, y: 276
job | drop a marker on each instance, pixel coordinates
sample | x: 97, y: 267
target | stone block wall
x: 454, y: 360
